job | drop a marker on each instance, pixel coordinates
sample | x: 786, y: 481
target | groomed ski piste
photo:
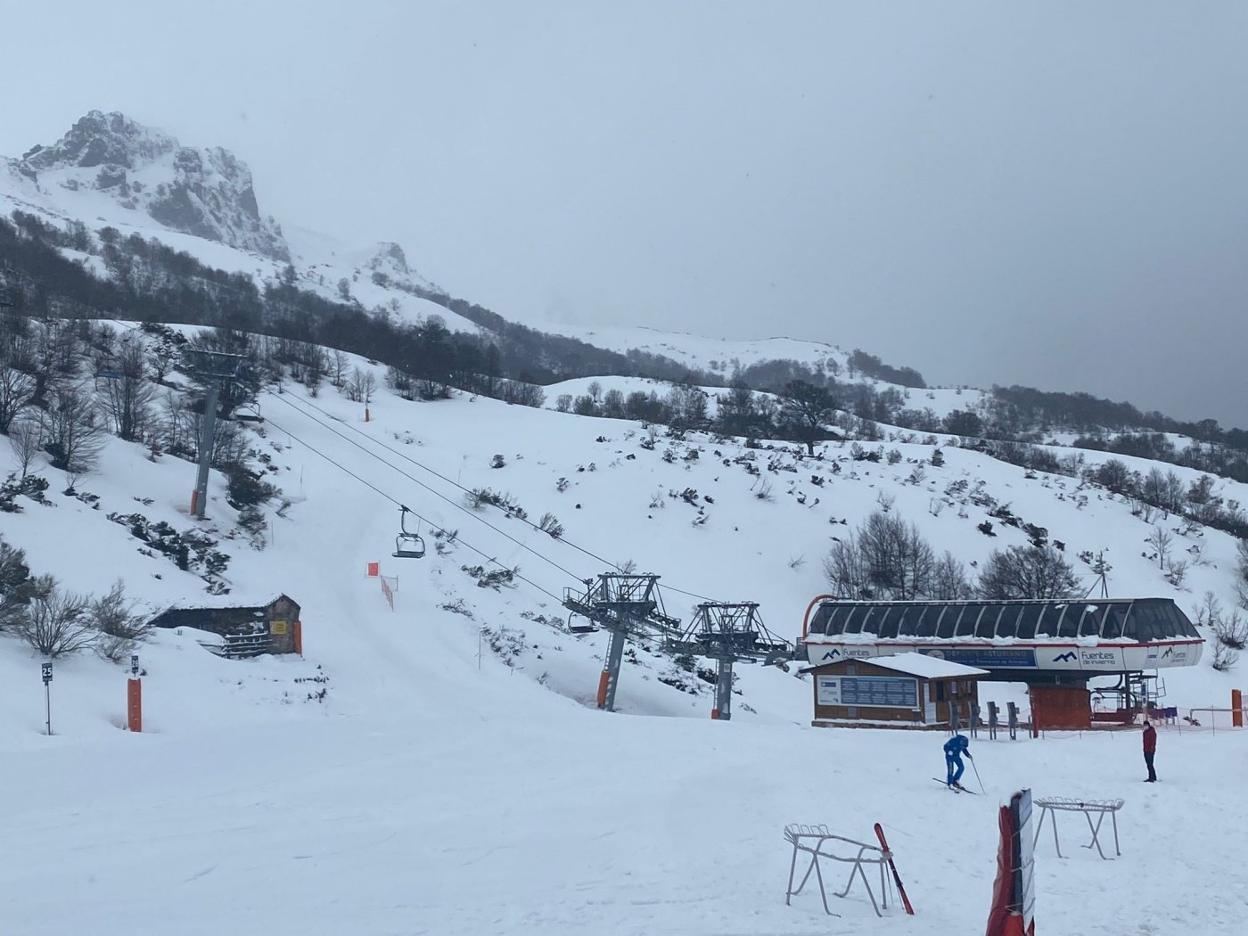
x: 440, y: 767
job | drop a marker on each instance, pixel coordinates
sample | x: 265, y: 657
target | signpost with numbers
x: 47, y: 691
x: 134, y: 696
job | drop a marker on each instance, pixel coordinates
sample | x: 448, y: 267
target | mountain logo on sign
x: 832, y: 654
x: 1068, y: 657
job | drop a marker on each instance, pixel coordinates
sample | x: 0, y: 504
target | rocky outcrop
x: 205, y: 192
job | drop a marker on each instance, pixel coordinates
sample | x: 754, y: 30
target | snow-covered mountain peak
x: 99, y: 139
x: 206, y: 192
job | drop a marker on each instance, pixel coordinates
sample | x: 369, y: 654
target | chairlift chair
x: 407, y: 545
x: 579, y: 624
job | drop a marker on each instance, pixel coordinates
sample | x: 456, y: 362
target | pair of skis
x: 956, y: 787
x: 879, y: 833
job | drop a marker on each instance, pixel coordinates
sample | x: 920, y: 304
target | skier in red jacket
x: 1150, y: 748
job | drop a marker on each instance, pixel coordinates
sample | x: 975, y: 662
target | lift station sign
x: 876, y: 691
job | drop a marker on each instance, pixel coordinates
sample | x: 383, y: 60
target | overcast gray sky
x: 1043, y: 193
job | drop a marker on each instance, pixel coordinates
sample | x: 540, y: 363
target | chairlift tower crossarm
x: 623, y: 604
x: 728, y: 633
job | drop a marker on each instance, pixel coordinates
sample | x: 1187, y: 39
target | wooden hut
x: 905, y: 690
x: 248, y: 630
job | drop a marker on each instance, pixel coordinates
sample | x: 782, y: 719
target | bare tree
x: 949, y: 580
x: 883, y: 558
x: 55, y: 623
x: 71, y: 432
x: 128, y: 396
x: 361, y: 387
x: 804, y: 410
x: 1027, y: 572
x: 338, y: 362
x: 26, y: 439
x: 1160, y: 539
x: 16, y: 392
x: 845, y: 569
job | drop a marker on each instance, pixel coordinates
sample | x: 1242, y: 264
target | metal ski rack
x: 728, y: 633
x: 623, y: 604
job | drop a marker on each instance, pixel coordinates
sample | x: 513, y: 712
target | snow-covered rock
x: 206, y: 192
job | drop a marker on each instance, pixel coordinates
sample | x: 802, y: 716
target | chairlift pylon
x: 407, y: 545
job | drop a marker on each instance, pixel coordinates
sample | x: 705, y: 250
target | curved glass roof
x: 1142, y: 619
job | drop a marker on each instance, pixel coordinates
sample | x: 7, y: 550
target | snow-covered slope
x: 454, y: 777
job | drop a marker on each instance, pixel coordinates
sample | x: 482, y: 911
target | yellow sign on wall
x: 278, y: 628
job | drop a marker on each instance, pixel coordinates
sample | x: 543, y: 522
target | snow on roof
x: 924, y: 665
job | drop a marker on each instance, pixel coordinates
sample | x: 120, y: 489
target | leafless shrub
x: 550, y: 525
x: 1231, y: 631
x: 56, y: 623
x: 1224, y: 658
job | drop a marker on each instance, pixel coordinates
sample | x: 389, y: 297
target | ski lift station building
x: 1055, y: 646
x: 902, y: 690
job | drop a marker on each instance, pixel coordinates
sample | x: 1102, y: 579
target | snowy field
x: 471, y: 803
x: 455, y: 778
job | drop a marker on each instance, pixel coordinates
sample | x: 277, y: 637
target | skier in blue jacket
x: 955, y: 747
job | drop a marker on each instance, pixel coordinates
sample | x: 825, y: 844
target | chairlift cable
x: 453, y: 483
x: 566, y: 571
x: 466, y: 490
x: 488, y: 558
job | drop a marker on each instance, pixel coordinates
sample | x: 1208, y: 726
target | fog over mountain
x: 1050, y: 195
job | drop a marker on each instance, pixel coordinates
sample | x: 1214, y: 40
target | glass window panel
x: 987, y: 626
x: 1186, y: 627
x: 927, y: 623
x: 1007, y: 624
x: 853, y: 619
x: 1028, y: 621
x: 948, y: 620
x: 966, y: 622
x: 836, y: 619
x: 1145, y: 628
x: 890, y: 623
x: 908, y: 626
x: 1069, y: 625
x: 1115, y: 617
x: 1092, y: 617
x: 870, y: 619
x: 819, y: 623
x: 1047, y: 618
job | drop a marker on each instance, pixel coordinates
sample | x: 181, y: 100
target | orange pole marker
x: 367, y: 416
x: 134, y: 704
x: 1237, y: 708
x: 602, y: 689
x: 297, y: 629
x: 194, y: 502
x: 715, y: 713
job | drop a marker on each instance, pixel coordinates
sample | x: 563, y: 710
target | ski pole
x: 977, y: 777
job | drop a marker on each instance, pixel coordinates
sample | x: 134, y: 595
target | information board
x: 876, y: 691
